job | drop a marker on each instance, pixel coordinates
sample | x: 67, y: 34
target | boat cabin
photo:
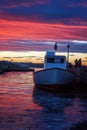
x: 54, y: 61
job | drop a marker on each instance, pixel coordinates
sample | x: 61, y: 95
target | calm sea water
x: 22, y: 107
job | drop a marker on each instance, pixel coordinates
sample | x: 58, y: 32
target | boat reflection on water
x: 60, y: 111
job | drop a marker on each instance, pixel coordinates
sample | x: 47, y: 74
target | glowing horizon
x: 38, y: 56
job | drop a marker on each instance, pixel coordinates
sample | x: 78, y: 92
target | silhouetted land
x: 7, y: 66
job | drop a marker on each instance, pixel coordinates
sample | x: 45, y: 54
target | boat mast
x: 68, y: 46
x: 55, y: 47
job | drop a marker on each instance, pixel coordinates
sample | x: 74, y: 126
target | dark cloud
x: 65, y: 11
x: 75, y: 46
x: 16, y: 3
x: 56, y: 3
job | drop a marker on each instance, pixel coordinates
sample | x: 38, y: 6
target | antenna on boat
x: 55, y: 46
x: 68, y: 46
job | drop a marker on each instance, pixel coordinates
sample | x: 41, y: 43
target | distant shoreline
x: 6, y: 66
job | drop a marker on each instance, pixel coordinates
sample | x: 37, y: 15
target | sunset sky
x: 35, y: 25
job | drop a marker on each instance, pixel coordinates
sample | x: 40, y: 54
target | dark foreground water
x: 22, y: 107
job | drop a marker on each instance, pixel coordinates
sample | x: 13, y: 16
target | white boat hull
x: 54, y: 76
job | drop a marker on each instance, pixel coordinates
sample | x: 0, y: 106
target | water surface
x: 22, y: 107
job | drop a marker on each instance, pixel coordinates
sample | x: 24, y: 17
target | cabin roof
x: 52, y: 54
x: 55, y: 56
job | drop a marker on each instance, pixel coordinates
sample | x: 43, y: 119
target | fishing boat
x: 56, y: 72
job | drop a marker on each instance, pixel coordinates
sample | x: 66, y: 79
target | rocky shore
x: 6, y: 66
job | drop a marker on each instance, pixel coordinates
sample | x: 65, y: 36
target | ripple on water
x: 22, y: 107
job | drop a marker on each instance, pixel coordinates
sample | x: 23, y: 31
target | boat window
x: 55, y: 60
x: 50, y: 60
x: 62, y: 60
x: 59, y: 60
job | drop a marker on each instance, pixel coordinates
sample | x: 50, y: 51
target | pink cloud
x: 40, y: 31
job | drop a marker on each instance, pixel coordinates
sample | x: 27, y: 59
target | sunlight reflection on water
x: 23, y: 107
